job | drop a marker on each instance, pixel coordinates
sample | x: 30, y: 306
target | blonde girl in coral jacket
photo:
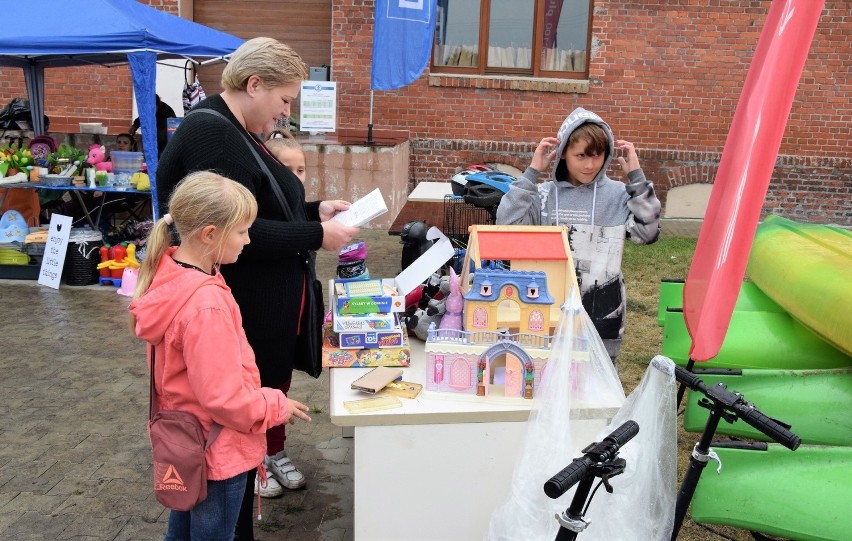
x: 205, y: 366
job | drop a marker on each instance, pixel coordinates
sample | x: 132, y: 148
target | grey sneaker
x: 282, y: 469
x: 270, y: 489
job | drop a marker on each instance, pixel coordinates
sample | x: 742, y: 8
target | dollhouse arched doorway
x: 506, y: 370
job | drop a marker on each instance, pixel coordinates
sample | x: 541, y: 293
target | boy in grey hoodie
x: 600, y: 212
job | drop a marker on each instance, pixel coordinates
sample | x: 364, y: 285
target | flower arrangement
x: 65, y: 155
x: 14, y: 159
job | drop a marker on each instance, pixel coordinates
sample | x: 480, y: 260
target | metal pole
x: 370, y: 122
x: 682, y: 389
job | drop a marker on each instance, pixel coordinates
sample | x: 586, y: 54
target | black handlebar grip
x: 774, y: 430
x: 572, y: 474
x: 624, y: 433
x: 687, y: 378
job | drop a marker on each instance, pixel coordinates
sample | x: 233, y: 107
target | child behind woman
x: 204, y: 364
x: 283, y: 473
x: 288, y: 151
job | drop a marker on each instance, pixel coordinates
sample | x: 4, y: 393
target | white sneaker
x: 282, y: 469
x: 270, y: 489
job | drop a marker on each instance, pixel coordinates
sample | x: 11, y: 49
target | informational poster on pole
x: 318, y: 106
x: 54, y: 251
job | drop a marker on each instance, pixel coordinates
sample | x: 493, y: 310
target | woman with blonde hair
x: 223, y: 134
x: 201, y: 360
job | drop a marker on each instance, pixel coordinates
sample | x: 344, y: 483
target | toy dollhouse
x: 509, y: 314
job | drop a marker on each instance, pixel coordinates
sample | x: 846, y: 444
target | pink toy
x: 128, y: 282
x: 452, y: 319
x: 97, y: 157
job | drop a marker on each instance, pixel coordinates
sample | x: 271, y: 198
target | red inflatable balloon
x: 721, y: 255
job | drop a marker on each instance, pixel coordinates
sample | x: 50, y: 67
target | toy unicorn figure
x: 452, y: 319
x: 97, y: 157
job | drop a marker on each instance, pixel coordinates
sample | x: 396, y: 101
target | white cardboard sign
x: 428, y: 262
x: 54, y: 251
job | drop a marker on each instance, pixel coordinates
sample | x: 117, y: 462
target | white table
x: 430, y: 191
x: 436, y: 468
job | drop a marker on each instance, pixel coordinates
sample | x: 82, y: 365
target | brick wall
x: 666, y: 75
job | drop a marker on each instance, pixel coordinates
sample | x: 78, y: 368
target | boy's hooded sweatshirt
x: 600, y: 215
x: 205, y: 366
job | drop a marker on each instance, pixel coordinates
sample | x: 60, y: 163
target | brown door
x: 305, y: 25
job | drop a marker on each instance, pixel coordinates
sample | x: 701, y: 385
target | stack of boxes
x: 365, y: 329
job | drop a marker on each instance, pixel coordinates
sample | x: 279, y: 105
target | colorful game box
x: 367, y: 297
x: 333, y: 356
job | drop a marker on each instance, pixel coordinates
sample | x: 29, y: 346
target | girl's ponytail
x: 159, y: 239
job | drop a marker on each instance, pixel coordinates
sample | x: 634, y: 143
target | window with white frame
x: 539, y: 38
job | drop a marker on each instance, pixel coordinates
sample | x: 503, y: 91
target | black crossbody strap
x: 276, y: 189
x: 154, y: 407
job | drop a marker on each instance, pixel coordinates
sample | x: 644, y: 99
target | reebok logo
x: 171, y: 480
x: 172, y: 476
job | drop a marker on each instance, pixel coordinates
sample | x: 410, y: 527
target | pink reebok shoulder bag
x: 178, y: 445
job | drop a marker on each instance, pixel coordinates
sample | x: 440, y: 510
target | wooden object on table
x: 424, y: 203
x: 430, y: 212
x: 403, y: 389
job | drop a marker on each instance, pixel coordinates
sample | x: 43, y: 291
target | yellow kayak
x: 807, y: 270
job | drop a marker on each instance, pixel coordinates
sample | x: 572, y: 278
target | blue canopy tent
x: 108, y: 32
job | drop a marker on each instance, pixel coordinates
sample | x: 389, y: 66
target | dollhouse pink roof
x: 544, y: 245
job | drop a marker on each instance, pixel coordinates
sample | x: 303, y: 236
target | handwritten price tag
x: 54, y: 251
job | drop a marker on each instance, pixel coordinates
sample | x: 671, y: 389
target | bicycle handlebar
x: 771, y: 428
x: 571, y: 475
x: 736, y: 404
x: 604, y: 451
x: 623, y: 434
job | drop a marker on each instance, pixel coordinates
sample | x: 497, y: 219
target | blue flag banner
x: 402, y: 42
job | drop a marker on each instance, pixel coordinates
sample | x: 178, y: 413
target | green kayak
x: 757, y: 339
x: 815, y: 403
x: 802, y: 494
x: 750, y: 298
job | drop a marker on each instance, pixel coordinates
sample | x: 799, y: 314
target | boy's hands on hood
x: 544, y: 154
x: 631, y: 162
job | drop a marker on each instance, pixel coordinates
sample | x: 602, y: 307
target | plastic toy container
x: 55, y: 180
x: 127, y: 162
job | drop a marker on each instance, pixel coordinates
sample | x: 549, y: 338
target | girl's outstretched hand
x: 297, y: 410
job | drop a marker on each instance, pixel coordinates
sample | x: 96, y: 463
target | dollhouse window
x: 532, y: 290
x: 438, y: 375
x: 536, y: 321
x: 485, y: 289
x: 480, y: 318
x: 460, y: 374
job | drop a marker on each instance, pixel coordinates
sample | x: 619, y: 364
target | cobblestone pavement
x: 75, y: 462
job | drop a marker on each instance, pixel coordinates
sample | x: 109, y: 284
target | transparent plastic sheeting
x: 642, y: 506
x: 643, y: 503
x: 579, y: 371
